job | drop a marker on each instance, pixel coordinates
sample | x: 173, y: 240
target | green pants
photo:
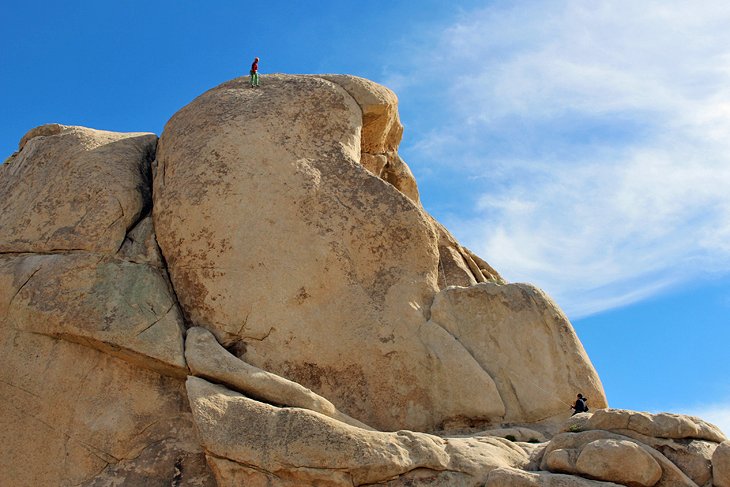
x: 254, y: 78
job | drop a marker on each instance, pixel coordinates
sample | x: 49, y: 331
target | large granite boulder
x: 619, y: 461
x: 286, y: 242
x: 120, y: 307
x: 611, y: 457
x: 304, y: 321
x: 661, y: 425
x: 257, y: 444
x: 91, y: 337
x: 74, y: 188
x: 74, y: 415
x: 517, y: 334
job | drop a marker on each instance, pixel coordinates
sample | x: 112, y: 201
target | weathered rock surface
x: 281, y: 243
x: 103, y: 191
x: 329, y: 251
x: 619, y: 461
x: 316, y: 293
x: 119, y: 307
x: 91, y: 340
x: 72, y: 415
x: 458, y: 266
x: 271, y: 445
x: 693, y: 457
x: 206, y: 358
x: 512, y: 477
x: 561, y: 460
x: 721, y: 465
x: 381, y: 132
x: 662, y: 425
x: 570, y: 447
x: 276, y: 199
x: 140, y: 245
x: 576, y: 423
x: 518, y: 335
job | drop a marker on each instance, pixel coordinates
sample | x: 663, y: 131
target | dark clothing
x: 255, y: 67
x: 580, y: 406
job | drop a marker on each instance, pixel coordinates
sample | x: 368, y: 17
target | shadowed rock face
x: 325, y: 306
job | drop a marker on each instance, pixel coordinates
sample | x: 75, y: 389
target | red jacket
x: 255, y: 66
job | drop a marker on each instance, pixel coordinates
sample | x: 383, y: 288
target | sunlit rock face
x: 281, y: 241
x: 260, y: 299
x: 91, y: 337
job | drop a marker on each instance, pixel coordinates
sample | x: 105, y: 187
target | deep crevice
x: 164, y: 269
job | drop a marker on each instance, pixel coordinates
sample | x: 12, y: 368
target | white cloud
x: 623, y: 110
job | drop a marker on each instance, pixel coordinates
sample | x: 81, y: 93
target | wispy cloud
x: 602, y: 134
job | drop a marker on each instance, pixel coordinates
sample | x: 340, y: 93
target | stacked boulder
x: 260, y: 299
x: 91, y: 337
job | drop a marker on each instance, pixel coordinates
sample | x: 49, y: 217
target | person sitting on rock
x: 580, y: 405
x: 255, y: 73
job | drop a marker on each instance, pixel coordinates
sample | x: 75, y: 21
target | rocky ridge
x: 260, y: 299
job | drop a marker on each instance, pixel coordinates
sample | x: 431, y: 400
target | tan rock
x: 426, y: 477
x: 119, y: 307
x: 392, y: 169
x: 458, y: 266
x: 381, y: 127
x: 512, y: 477
x: 576, y: 423
x: 209, y: 360
x: 381, y: 132
x: 73, y: 188
x: 721, y: 465
x: 41, y: 131
x: 671, y: 475
x: 662, y: 425
x: 277, y: 239
x: 487, y: 271
x: 451, y: 368
x: 275, y: 442
x: 619, y: 461
x: 562, y: 460
x: 72, y: 415
x: 453, y: 270
x: 232, y: 474
x: 693, y: 457
x: 397, y: 173
x: 518, y: 335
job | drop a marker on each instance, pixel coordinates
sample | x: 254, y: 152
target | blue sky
x: 585, y: 149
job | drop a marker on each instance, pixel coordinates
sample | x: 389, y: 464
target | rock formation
x: 303, y: 321
x: 284, y: 245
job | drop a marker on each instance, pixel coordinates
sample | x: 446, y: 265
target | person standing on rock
x: 580, y: 405
x: 255, y: 73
